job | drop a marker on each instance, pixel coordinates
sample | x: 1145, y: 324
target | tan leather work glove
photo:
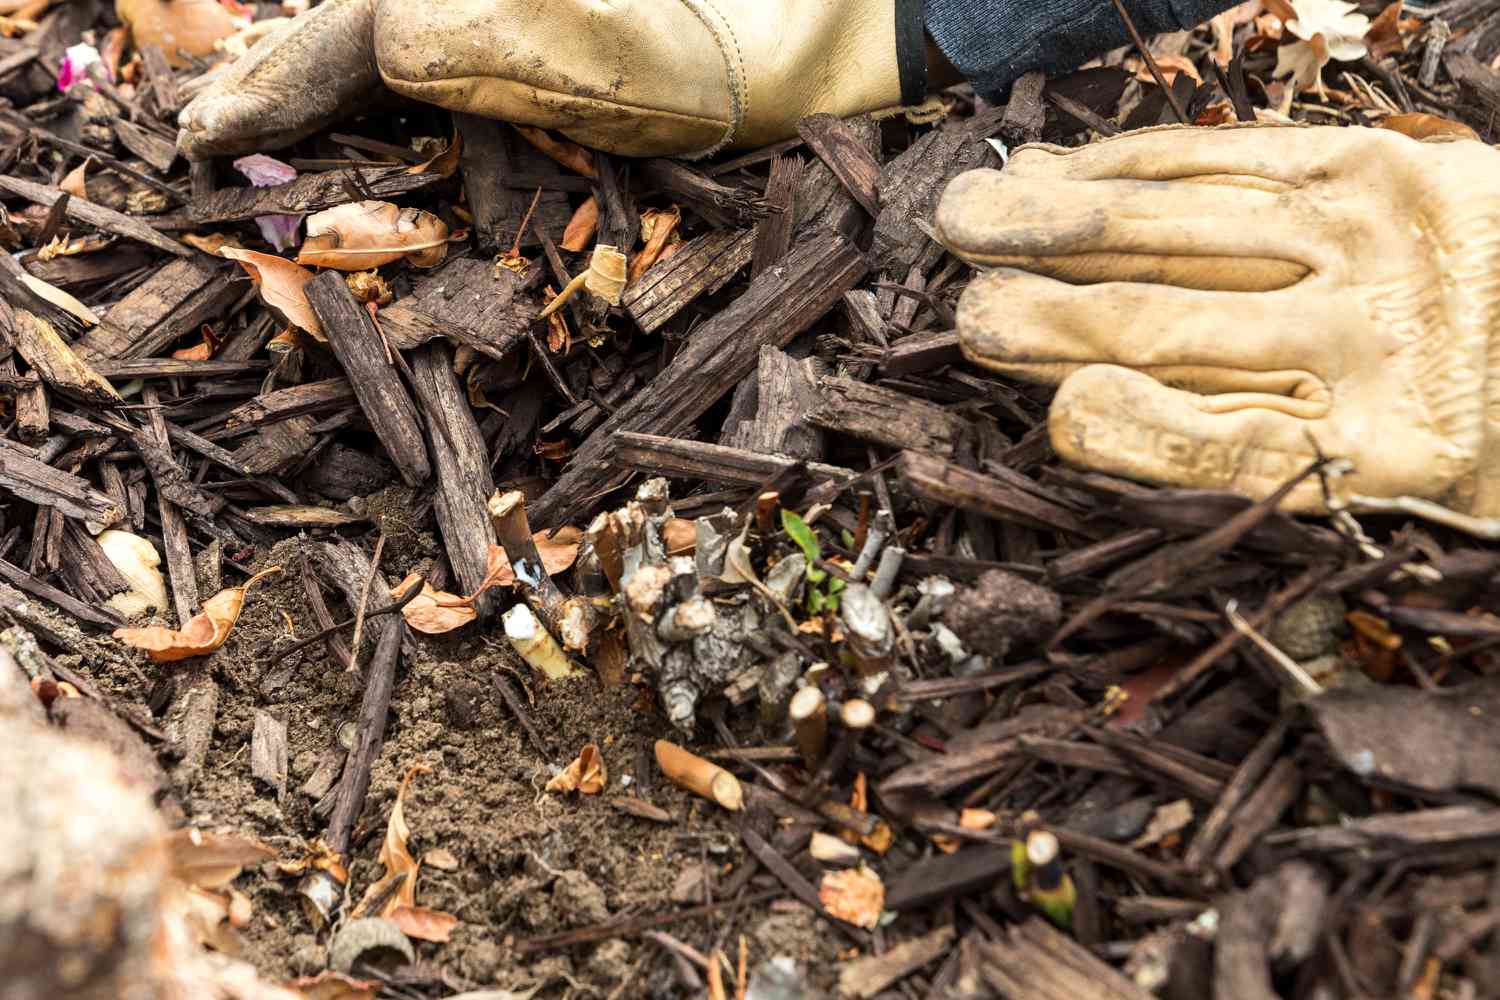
x: 1212, y: 302
x: 638, y: 77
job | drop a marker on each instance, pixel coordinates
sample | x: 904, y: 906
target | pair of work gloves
x: 1217, y: 307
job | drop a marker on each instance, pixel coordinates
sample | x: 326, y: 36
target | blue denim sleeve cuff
x: 995, y: 42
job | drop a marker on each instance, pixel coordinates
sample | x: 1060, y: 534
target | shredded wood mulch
x: 1089, y: 738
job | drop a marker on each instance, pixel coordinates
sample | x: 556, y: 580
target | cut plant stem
x: 857, y: 714
x: 568, y: 620
x: 829, y: 849
x: 809, y: 714
x: 699, y: 776
x: 535, y: 644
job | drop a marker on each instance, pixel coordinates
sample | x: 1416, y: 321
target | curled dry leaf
x: 606, y: 274
x: 557, y: 552
x: 203, y: 351
x: 445, y: 163
x: 212, y: 243
x: 657, y: 227
x: 282, y: 286
x: 59, y: 298
x: 855, y: 895
x: 76, y: 183
x: 182, y: 28
x: 400, y: 901
x: 331, y: 985
x: 586, y: 774
x: 366, y: 234
x: 565, y: 152
x: 213, y: 860
x: 432, y: 611
x: 203, y: 634
x: 1424, y: 126
x: 581, y: 227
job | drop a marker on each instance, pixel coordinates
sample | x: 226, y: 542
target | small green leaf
x: 799, y: 532
x: 848, y: 537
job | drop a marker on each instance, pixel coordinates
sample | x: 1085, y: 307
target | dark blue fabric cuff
x: 995, y: 42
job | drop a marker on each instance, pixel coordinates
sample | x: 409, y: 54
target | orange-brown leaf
x: 432, y: 611
x: 565, y: 152
x: 76, y: 181
x: 1384, y: 36
x: 581, y: 227
x: 557, y: 552
x: 444, y: 164
x: 397, y: 859
x: 856, y: 895
x: 660, y: 225
x: 204, y: 632
x: 586, y: 774
x: 423, y: 924
x: 366, y: 234
x: 282, y: 286
x: 1424, y: 126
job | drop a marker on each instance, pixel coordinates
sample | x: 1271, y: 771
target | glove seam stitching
x: 734, y: 65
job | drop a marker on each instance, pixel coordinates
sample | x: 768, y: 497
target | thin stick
x: 364, y: 600
x: 1161, y: 81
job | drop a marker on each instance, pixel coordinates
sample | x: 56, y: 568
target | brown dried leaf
x: 59, y: 298
x: 586, y: 774
x: 213, y: 860
x: 281, y: 284
x: 557, y: 552
x: 563, y: 151
x: 212, y: 243
x: 581, y: 227
x: 76, y: 183
x: 203, y: 634
x: 432, y: 611
x: 181, y: 27
x: 399, y: 864
x: 657, y: 226
x: 1423, y: 126
x: 366, y: 234
x: 1384, y: 37
x: 423, y: 924
x: 444, y: 164
x: 204, y: 351
x: 330, y: 985
x: 855, y: 895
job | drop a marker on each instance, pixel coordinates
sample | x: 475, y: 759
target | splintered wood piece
x: 942, y: 876
x: 64, y: 602
x: 785, y: 394
x: 348, y: 569
x: 890, y: 418
x: 947, y: 483
x: 463, y: 471
x: 923, y: 353
x: 1035, y: 959
x: 357, y: 344
x: 701, y: 267
x: 665, y: 456
x: 170, y: 480
x: 866, y: 977
x: 51, y: 358
x: 308, y: 193
x: 846, y: 155
x: 724, y: 206
x: 465, y: 300
x: 910, y: 186
x: 275, y: 447
x: 89, y: 214
x: 293, y: 401
x: 37, y: 482
x: 776, y: 307
x: 135, y: 368
x: 821, y: 200
x: 297, y: 516
x: 773, y: 234
x: 172, y: 303
x: 152, y: 148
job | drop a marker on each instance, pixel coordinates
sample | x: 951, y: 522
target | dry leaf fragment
x: 203, y: 634
x: 1165, y: 822
x: 855, y: 895
x: 213, y: 860
x: 1387, y: 34
x: 400, y: 904
x: 564, y: 151
x: 76, y: 183
x: 281, y: 285
x: 586, y: 774
x: 445, y: 163
x: 657, y: 226
x: 60, y: 298
x: 558, y: 550
x: 581, y: 227
x: 1425, y: 126
x: 181, y: 27
x: 330, y: 985
x: 366, y: 234
x: 432, y: 611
